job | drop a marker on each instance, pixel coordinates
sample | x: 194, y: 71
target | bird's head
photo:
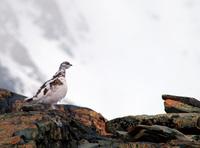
x: 65, y: 65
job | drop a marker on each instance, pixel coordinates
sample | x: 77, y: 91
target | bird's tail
x: 28, y: 99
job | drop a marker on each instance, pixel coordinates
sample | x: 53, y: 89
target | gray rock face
x: 155, y: 133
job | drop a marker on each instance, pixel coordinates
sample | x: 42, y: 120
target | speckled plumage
x: 54, y: 89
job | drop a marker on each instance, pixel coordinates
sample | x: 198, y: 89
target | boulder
x: 155, y: 133
x: 10, y: 101
x: 68, y: 127
x: 188, y: 123
x: 179, y: 104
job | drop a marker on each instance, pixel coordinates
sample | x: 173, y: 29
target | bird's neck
x: 60, y: 73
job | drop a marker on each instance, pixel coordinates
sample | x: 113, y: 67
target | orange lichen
x: 28, y: 146
x: 15, y: 140
x: 91, y: 118
x: 16, y: 123
x: 17, y: 105
x: 173, y: 103
x: 4, y: 93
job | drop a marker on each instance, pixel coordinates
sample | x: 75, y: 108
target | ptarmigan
x: 54, y: 89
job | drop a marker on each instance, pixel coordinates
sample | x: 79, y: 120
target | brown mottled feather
x: 45, y: 91
x: 55, y: 82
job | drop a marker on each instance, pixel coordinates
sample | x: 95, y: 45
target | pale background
x: 125, y: 53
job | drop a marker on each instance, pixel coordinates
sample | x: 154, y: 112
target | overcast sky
x: 142, y: 49
x: 126, y: 53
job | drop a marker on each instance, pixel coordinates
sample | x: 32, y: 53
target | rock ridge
x: 37, y: 125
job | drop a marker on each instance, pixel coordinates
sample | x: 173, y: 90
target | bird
x: 54, y: 89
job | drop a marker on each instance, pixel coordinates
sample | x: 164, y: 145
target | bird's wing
x: 48, y: 88
x: 43, y: 87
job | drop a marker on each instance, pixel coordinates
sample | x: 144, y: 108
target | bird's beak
x: 70, y: 64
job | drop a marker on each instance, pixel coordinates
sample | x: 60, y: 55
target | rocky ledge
x: 37, y: 125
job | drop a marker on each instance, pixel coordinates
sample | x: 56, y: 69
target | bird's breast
x: 56, y: 91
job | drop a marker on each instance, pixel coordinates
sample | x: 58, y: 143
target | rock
x: 171, y: 130
x: 188, y: 123
x: 178, y: 104
x: 9, y: 101
x: 155, y: 133
x: 52, y: 128
x: 38, y: 125
x: 84, y: 115
x: 110, y: 144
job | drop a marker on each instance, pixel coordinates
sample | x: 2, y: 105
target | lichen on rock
x: 37, y: 125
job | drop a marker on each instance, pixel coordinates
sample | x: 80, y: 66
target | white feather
x: 54, y: 94
x: 54, y: 89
